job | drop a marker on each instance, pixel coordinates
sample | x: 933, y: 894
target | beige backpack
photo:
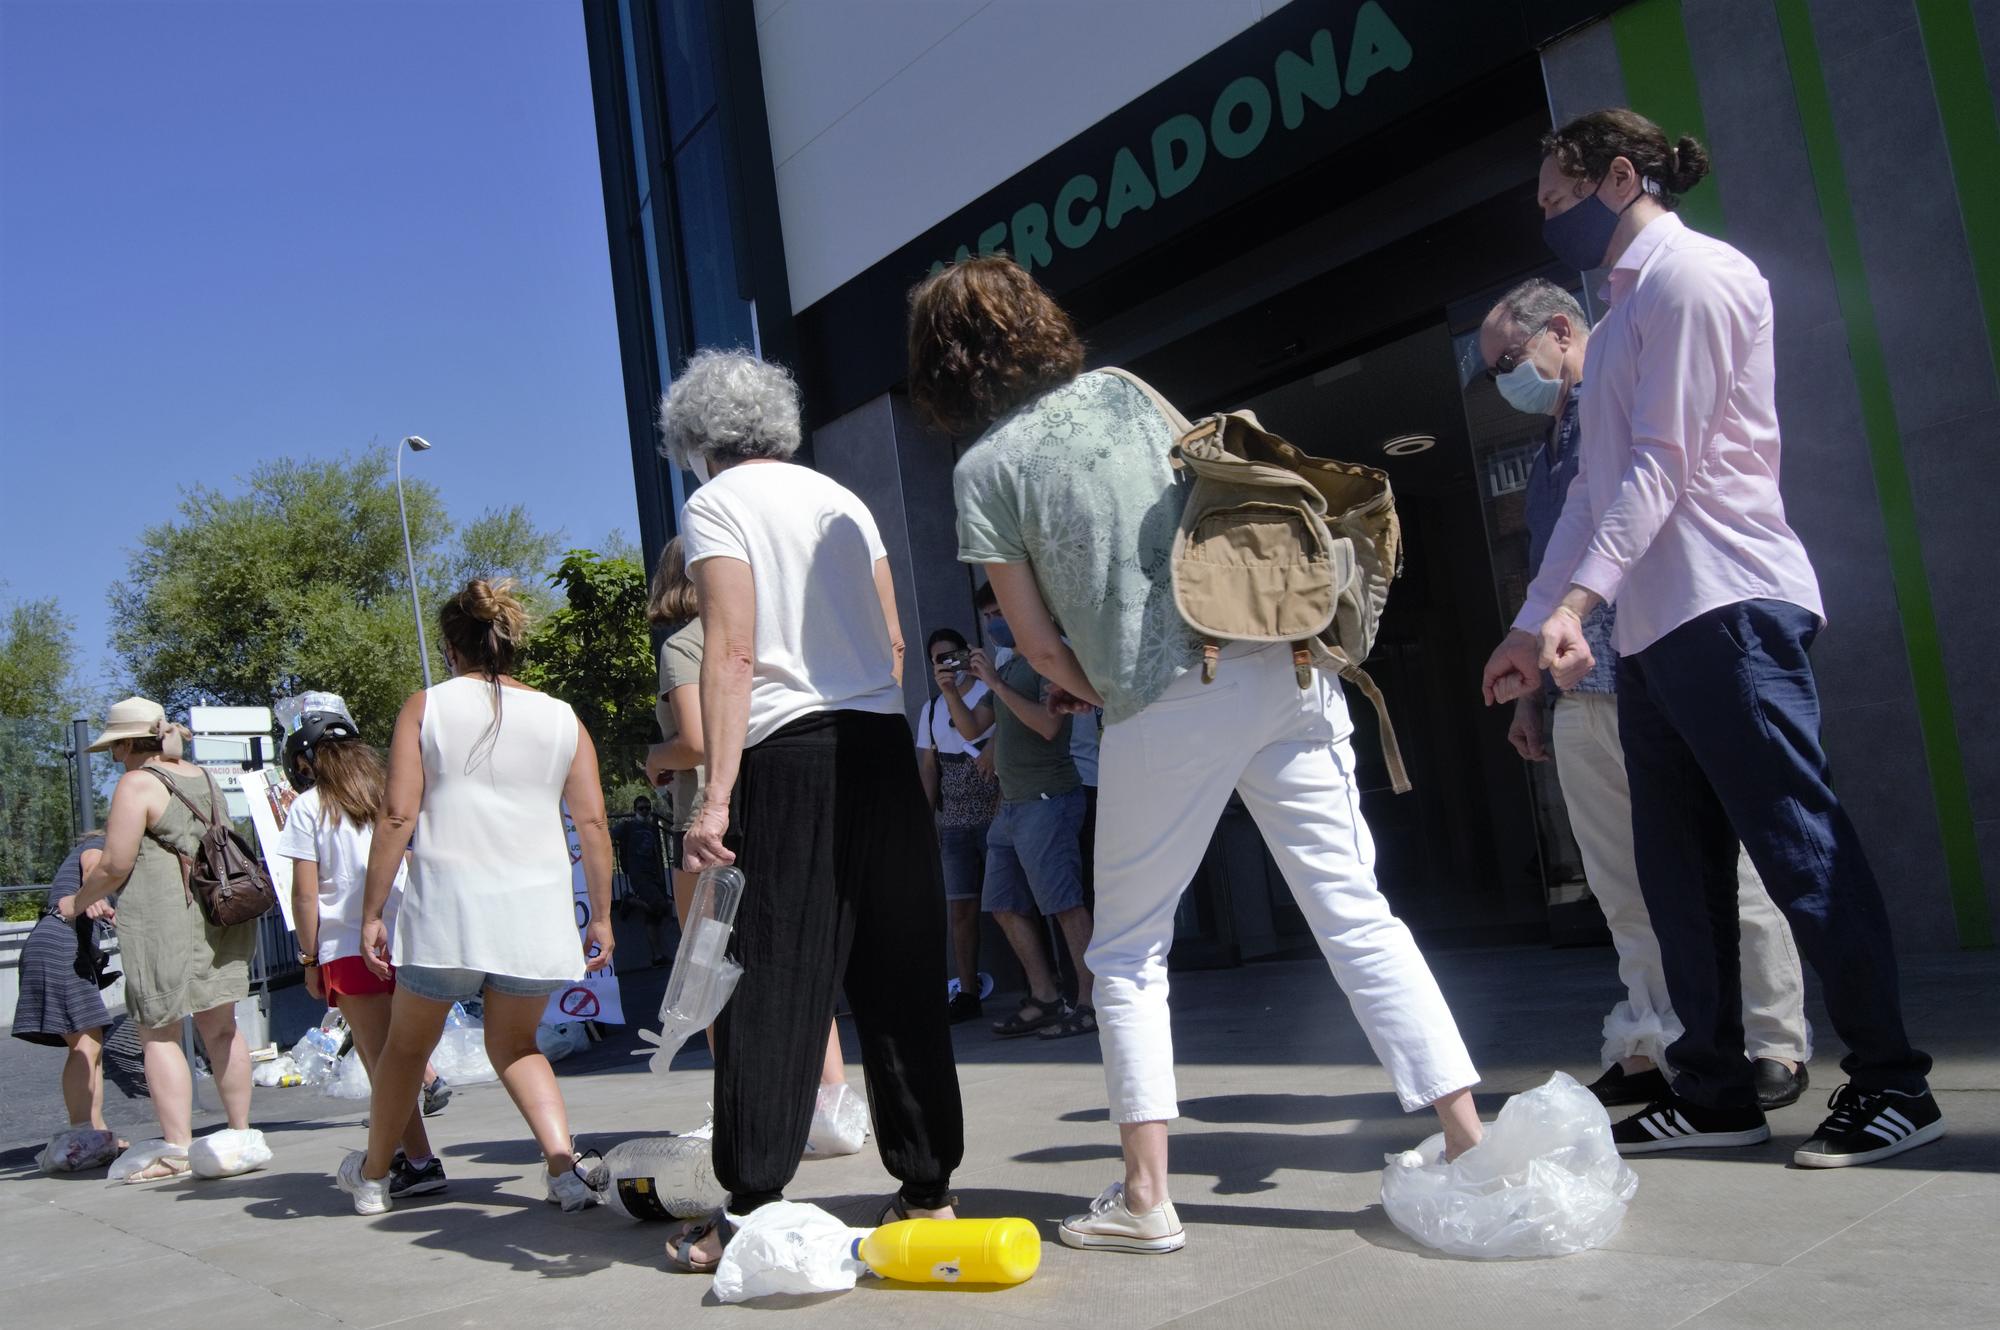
x: 1278, y: 546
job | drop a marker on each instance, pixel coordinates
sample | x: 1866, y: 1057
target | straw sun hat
x: 134, y: 718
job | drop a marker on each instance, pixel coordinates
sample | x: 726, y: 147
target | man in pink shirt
x: 1676, y: 517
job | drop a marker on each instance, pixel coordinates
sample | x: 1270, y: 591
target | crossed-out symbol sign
x: 579, y: 1002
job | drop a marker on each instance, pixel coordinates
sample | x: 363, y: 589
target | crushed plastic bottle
x: 703, y: 975
x: 665, y: 1177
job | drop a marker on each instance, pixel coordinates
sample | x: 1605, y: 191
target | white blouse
x: 490, y: 882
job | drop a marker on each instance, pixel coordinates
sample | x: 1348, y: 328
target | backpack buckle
x: 1211, y: 652
x: 1302, y: 668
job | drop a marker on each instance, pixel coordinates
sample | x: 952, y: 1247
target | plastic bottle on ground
x: 953, y: 1251
x: 665, y: 1177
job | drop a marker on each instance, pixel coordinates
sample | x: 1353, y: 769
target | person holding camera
x: 955, y: 759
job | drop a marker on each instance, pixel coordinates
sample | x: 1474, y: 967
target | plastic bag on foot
x: 142, y: 1155
x: 1546, y: 1181
x: 224, y: 1154
x: 77, y: 1149
x: 840, y: 1122
x: 789, y: 1247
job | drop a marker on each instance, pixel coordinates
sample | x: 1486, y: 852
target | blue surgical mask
x: 1581, y: 236
x: 998, y: 633
x: 1527, y: 389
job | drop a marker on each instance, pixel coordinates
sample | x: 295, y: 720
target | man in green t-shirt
x: 1033, y: 857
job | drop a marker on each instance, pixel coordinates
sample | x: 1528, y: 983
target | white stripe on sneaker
x: 1884, y: 1131
x: 1654, y: 1123
x: 1687, y: 1128
x: 1903, y: 1124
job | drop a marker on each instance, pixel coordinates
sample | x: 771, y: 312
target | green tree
x: 298, y: 582
x: 38, y: 693
x: 596, y: 654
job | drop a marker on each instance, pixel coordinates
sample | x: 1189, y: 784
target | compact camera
x: 957, y: 660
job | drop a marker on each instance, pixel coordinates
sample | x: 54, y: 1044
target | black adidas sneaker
x: 1674, y: 1123
x: 1867, y: 1125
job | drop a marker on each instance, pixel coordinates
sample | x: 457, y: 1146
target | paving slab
x: 1277, y: 1158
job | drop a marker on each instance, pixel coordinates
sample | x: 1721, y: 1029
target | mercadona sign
x: 1241, y: 121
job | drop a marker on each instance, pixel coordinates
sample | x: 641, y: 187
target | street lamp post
x: 415, y: 444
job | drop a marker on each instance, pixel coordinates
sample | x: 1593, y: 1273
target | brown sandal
x: 680, y: 1247
x: 161, y: 1169
x: 898, y: 1209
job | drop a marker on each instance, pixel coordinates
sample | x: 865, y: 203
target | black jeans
x: 1720, y: 720
x: 833, y: 834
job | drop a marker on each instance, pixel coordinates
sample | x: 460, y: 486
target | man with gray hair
x: 1533, y: 344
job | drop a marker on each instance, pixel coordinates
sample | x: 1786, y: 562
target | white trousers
x: 1590, y: 763
x: 1164, y: 777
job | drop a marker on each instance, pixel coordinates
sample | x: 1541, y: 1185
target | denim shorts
x: 446, y: 985
x: 1033, y: 858
x: 963, y: 850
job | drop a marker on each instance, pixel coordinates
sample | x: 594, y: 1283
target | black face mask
x: 1580, y: 236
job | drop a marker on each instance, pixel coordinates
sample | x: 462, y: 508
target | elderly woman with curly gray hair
x: 812, y: 791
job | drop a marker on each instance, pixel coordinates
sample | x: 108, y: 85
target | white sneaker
x: 583, y: 1184
x: 1110, y: 1226
x: 370, y: 1197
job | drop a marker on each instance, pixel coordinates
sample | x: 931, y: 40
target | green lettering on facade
x: 1074, y: 233
x: 1378, y: 45
x: 1300, y: 81
x: 1248, y: 91
x: 1031, y: 238
x: 1238, y: 124
x: 1185, y: 132
x: 1130, y: 190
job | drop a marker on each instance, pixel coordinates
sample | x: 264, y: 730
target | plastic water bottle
x: 953, y: 1251
x: 665, y: 1177
x: 703, y: 976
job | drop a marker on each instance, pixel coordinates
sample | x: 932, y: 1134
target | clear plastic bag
x: 703, y: 976
x: 840, y: 1122
x: 141, y: 1156
x: 460, y: 1055
x: 77, y: 1149
x: 1546, y: 1181
x: 789, y: 1247
x: 224, y: 1154
x: 560, y: 1040
x: 280, y: 1070
x: 349, y: 1079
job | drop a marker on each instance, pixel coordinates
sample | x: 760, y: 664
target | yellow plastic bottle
x: 953, y: 1251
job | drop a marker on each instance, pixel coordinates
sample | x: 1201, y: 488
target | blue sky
x: 232, y: 231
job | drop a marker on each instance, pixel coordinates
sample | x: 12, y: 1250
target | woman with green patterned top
x: 1067, y: 499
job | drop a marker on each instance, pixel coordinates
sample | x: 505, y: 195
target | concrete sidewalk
x: 1276, y: 1167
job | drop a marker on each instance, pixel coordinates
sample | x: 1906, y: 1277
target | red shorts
x: 351, y: 976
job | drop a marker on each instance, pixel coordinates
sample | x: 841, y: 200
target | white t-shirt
x: 340, y: 849
x: 935, y: 730
x: 821, y: 641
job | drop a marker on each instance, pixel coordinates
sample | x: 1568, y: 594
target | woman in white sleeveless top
x: 479, y: 770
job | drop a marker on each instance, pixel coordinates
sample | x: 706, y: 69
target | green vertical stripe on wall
x: 1972, y: 137
x: 1659, y: 84
x: 1892, y: 479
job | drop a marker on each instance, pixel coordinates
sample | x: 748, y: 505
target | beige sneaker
x: 1109, y: 1226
